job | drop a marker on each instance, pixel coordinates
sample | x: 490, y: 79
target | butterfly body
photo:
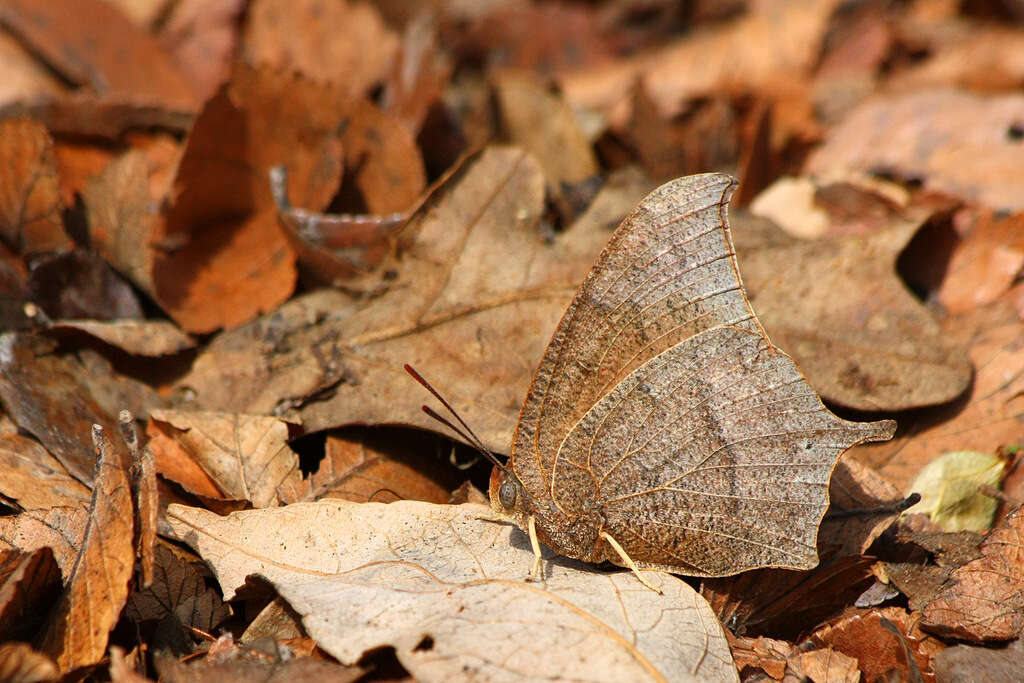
x: 663, y: 420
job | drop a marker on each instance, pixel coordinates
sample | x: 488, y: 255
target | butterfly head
x: 506, y: 493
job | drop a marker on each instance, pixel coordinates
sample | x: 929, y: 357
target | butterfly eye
x: 507, y: 494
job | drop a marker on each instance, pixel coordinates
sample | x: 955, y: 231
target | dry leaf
x: 446, y: 589
x: 246, y: 664
x: 365, y: 465
x: 202, y: 37
x: 839, y: 308
x: 951, y: 141
x: 985, y: 419
x: 985, y: 264
x: 966, y: 663
x: 881, y: 641
x: 538, y: 120
x: 983, y: 600
x: 145, y: 497
x: 29, y: 585
x: 79, y: 284
x: 246, y: 456
x: 382, y: 157
x: 276, y: 620
x: 345, y: 43
x: 32, y: 478
x: 419, y: 74
x: 136, y: 337
x: 25, y: 78
x: 30, y: 202
x: 221, y: 257
x: 858, y: 488
x: 90, y: 42
x: 826, y: 665
x: 97, y: 588
x: 19, y: 663
x: 61, y: 529
x: 470, y: 279
x: 179, y: 590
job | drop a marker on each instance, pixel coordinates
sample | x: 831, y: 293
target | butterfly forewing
x: 662, y: 414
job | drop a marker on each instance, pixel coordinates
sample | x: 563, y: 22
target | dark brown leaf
x: 29, y: 584
x: 178, y: 590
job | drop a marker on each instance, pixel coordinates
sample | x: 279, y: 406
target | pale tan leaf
x: 60, y: 528
x: 137, y: 337
x: 246, y: 455
x: 445, y: 586
x: 33, y: 478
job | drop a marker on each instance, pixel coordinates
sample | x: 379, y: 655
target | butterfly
x: 662, y: 428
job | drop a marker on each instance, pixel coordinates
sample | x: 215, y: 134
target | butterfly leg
x: 531, y: 526
x: 629, y: 561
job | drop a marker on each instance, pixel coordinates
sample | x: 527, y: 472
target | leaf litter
x: 258, y: 331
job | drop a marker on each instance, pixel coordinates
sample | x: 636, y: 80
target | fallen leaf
x: 247, y: 456
x: 32, y: 478
x: 538, y: 120
x: 856, y: 489
x: 789, y: 203
x: 345, y: 43
x: 124, y: 671
x: 839, y: 308
x: 966, y: 662
x: 953, y: 490
x: 365, y: 465
x: 985, y: 264
x: 224, y: 259
x: 30, y: 203
x: 983, y: 600
x: 80, y: 284
x: 951, y: 141
x: 419, y: 73
x: 276, y: 620
x: 469, y: 279
x: 245, y: 664
x: 78, y: 628
x: 137, y: 337
x: 382, y: 158
x: 24, y: 77
x: 202, y: 36
x: 91, y: 43
x: 145, y: 496
x: 986, y: 418
x: 49, y: 396
x: 178, y: 590
x: 446, y: 589
x: 19, y: 662
x: 103, y: 116
x: 29, y: 585
x: 826, y: 665
x: 61, y: 529
x: 880, y: 640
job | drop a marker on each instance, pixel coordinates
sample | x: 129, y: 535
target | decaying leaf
x: 952, y: 141
x: 955, y: 490
x: 32, y: 478
x: 454, y: 598
x: 77, y: 631
x: 861, y: 338
x: 30, y: 203
x: 180, y: 591
x: 246, y: 456
x: 363, y: 465
x: 983, y: 600
x: 471, y: 279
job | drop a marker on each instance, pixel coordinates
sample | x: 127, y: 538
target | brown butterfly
x: 662, y: 428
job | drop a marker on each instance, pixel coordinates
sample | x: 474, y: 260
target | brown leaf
x: 245, y: 664
x: 137, y: 337
x: 364, y: 465
x: 382, y: 157
x: 951, y: 141
x: 985, y: 264
x: 965, y: 663
x: 984, y: 599
x: 538, y: 120
x: 33, y: 478
x: 419, y: 74
x: 60, y: 528
x: 29, y: 585
x: 983, y: 420
x: 882, y: 641
x: 103, y: 116
x: 441, y: 568
x: 21, y: 664
x: 145, y: 496
x: 91, y: 43
x: 345, y: 43
x: 30, y: 203
x: 80, y: 284
x: 97, y: 588
x: 224, y: 259
x: 855, y: 487
x: 840, y: 309
x: 50, y: 397
x: 826, y: 665
x: 276, y: 620
x: 178, y: 590
x: 202, y: 36
x: 469, y: 279
x: 742, y: 54
x: 246, y: 456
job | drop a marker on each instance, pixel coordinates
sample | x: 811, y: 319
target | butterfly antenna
x: 468, y: 435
